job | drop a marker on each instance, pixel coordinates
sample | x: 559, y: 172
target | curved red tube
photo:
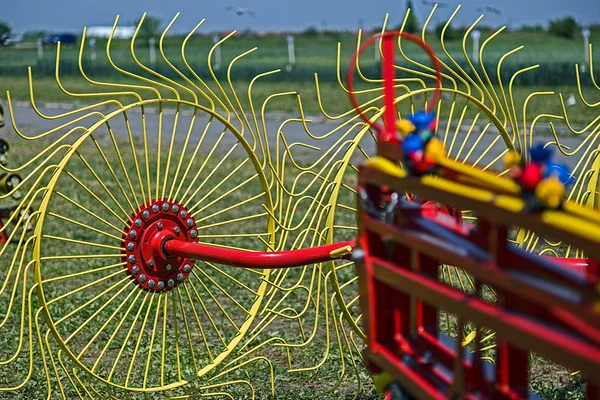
x: 257, y: 259
x: 436, y: 65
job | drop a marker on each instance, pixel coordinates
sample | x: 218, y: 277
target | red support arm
x: 258, y: 259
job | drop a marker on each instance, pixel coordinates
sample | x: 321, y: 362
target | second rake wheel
x: 128, y: 317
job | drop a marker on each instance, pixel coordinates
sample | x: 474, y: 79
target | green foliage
x: 531, y: 28
x: 412, y: 25
x: 451, y: 32
x: 5, y: 31
x: 311, y: 31
x: 565, y: 27
x: 151, y: 27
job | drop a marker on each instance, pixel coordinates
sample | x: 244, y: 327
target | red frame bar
x: 258, y: 259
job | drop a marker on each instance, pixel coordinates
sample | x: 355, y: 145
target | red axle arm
x: 258, y: 259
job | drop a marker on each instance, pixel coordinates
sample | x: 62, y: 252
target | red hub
x: 143, y: 242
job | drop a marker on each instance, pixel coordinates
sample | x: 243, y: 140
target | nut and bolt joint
x: 175, y: 208
x: 142, y: 278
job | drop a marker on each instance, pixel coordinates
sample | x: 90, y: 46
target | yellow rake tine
x: 97, y: 198
x: 62, y: 365
x: 89, y: 212
x: 104, y: 246
x: 151, y: 342
x: 187, y: 330
x: 137, y: 343
x: 196, y: 316
x: 160, y: 122
x: 58, y: 380
x: 101, y: 182
x: 208, y: 315
x: 71, y: 221
x: 129, y: 332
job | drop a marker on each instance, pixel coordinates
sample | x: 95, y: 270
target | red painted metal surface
x: 257, y: 260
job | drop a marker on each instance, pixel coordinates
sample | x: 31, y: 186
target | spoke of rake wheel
x: 98, y: 199
x: 135, y: 161
x: 210, y: 318
x: 118, y: 152
x: 224, y: 210
x: 147, y: 164
x: 129, y: 332
x: 187, y: 330
x: 225, y: 274
x: 194, y: 154
x: 164, y: 342
x: 176, y: 325
x: 221, y: 289
x: 218, y: 185
x: 152, y: 337
x: 212, y: 172
x: 160, y: 122
x: 197, y: 317
x: 101, y: 182
x: 117, y: 328
x: 80, y: 274
x: 231, y: 221
x: 175, y: 121
x: 87, y: 286
x: 137, y: 343
x: 82, y: 225
x: 206, y: 159
x: 95, y: 314
x: 89, y: 212
x: 62, y: 239
x: 183, y: 150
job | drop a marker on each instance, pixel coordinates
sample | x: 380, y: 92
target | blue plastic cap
x: 421, y: 120
x: 412, y: 143
x: 539, y: 154
x: 561, y: 171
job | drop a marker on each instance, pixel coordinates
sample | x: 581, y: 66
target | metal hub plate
x: 143, y: 242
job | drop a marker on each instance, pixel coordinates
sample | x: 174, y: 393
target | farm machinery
x: 184, y: 247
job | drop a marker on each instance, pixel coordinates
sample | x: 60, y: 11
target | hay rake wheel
x: 173, y: 296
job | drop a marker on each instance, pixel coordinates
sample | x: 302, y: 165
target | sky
x: 280, y: 15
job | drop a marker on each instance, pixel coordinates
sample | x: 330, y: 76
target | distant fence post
x: 40, y: 49
x: 152, y: 48
x: 475, y: 35
x: 217, y: 53
x: 378, y: 50
x: 291, y: 52
x: 586, y: 46
x: 93, y: 50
